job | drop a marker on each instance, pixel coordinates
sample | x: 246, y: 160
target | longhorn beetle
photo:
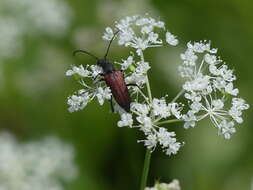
x: 113, y: 78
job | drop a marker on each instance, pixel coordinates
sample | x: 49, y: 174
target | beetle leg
x: 100, y: 80
x: 100, y: 74
x: 111, y: 105
x: 134, y: 85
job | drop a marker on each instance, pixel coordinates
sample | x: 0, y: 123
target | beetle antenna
x: 85, y: 52
x: 107, y: 51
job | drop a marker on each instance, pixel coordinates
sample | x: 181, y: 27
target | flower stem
x: 147, y: 80
x: 149, y: 90
x: 178, y: 95
x: 145, y: 169
x: 168, y: 121
x: 147, y: 159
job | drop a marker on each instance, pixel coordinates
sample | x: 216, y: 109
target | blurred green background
x: 35, y: 52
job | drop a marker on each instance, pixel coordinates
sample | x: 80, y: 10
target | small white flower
x: 211, y: 59
x: 174, y: 185
x: 77, y: 102
x: 199, y: 83
x: 168, y: 141
x: 142, y: 67
x: 238, y: 105
x: 136, y: 78
x: 190, y: 119
x: 227, y: 128
x: 141, y: 109
x: 165, y: 138
x: 126, y: 120
x: 126, y: 63
x: 151, y: 141
x: 175, y: 110
x: 153, y: 38
x: 230, y: 89
x: 146, y: 123
x: 103, y: 94
x: 173, y: 148
x: 171, y: 39
x: 160, y: 108
x: 108, y: 34
x: 96, y: 70
x: 78, y: 70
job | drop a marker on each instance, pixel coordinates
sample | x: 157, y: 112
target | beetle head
x: 106, y: 65
x: 102, y: 62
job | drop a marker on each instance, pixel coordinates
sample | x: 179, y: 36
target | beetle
x: 113, y: 78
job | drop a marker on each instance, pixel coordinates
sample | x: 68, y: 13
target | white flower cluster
x: 209, y: 89
x: 148, y: 117
x: 139, y: 33
x: 174, y: 185
x: 96, y: 89
x: 138, y: 70
x: 36, y: 165
x: 30, y: 17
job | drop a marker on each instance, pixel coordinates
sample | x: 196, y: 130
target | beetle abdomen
x: 115, y: 80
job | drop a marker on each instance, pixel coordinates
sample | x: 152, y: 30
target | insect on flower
x: 114, y: 79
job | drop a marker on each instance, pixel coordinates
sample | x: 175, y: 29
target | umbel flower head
x: 208, y: 86
x: 209, y: 89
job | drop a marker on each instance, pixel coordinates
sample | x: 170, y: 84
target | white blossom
x: 77, y: 102
x: 160, y: 108
x: 148, y: 116
x: 140, y: 33
x: 208, y: 88
x: 19, y: 19
x: 82, y: 97
x: 146, y: 124
x: 126, y: 63
x: 174, y: 185
x: 175, y: 109
x: 78, y: 70
x: 126, y: 120
x: 35, y: 165
x: 238, y: 105
x: 108, y: 34
x: 140, y: 109
x: 227, y: 128
x: 103, y: 94
x: 171, y: 39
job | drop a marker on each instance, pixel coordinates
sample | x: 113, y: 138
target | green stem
x: 145, y: 169
x: 178, y: 95
x: 147, y: 159
x: 168, y: 121
x: 147, y: 81
x: 149, y: 90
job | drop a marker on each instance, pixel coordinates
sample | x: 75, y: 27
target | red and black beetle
x: 113, y: 78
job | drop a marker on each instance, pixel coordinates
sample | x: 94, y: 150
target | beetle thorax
x: 106, y: 65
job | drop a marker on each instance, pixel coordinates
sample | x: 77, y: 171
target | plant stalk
x: 145, y: 170
x: 147, y: 159
x: 168, y: 121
